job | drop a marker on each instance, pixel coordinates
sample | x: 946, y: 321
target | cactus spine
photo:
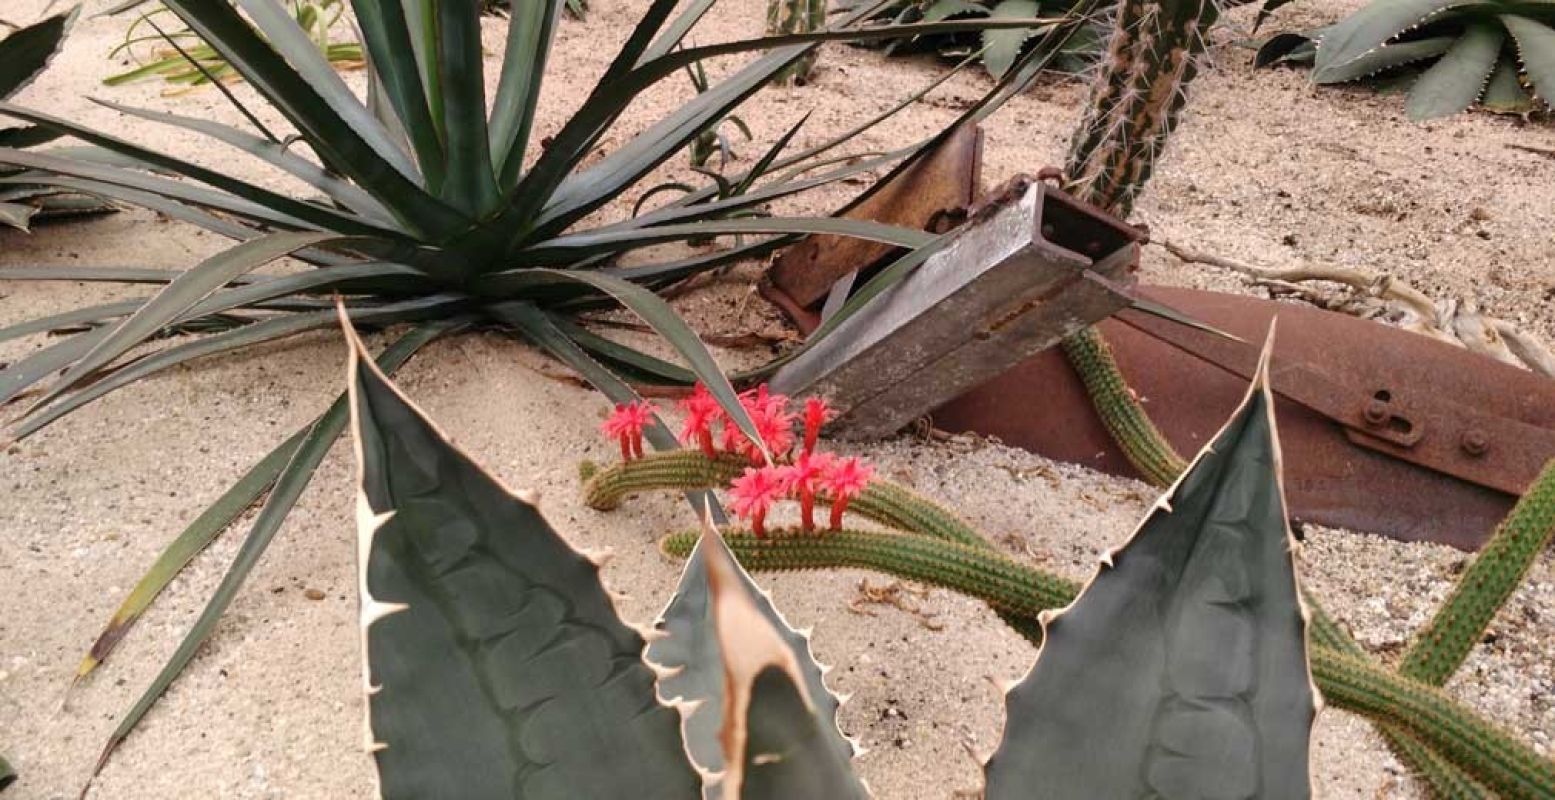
x: 796, y: 16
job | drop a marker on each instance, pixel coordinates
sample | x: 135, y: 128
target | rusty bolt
x: 1474, y: 442
x: 1375, y: 412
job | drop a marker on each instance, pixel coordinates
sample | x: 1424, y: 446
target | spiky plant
x: 785, y: 17
x: 427, y: 209
x: 498, y: 666
x: 24, y: 53
x: 999, y: 50
x: 713, y: 140
x: 1498, y: 55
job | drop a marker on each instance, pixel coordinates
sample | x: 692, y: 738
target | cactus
x: 1142, y: 443
x: 796, y: 16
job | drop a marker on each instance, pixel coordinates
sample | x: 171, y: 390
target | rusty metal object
x: 1382, y: 430
x: 933, y: 195
x: 1009, y: 283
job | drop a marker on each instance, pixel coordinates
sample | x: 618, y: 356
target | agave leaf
x: 531, y: 29
x: 1505, y: 94
x: 1181, y: 670
x: 1383, y: 58
x: 17, y: 215
x: 690, y: 655
x: 1458, y: 78
x: 677, y: 30
x: 1293, y: 48
x: 496, y: 665
x: 1536, y: 48
x: 27, y: 52
x: 29, y: 136
x: 945, y: 9
x: 288, y: 487
x: 1368, y: 29
x: 470, y: 185
x: 570, y: 247
x: 1002, y: 47
x: 388, y: 45
x: 779, y: 741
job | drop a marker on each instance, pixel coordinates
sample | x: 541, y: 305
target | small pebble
x: 313, y: 594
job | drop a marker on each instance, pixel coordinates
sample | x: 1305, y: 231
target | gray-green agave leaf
x: 496, y: 665
x: 690, y: 660
x: 778, y: 744
x: 1181, y: 670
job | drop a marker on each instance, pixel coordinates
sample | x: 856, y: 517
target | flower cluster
x: 805, y: 475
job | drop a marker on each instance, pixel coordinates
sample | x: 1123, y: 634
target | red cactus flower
x: 845, y: 480
x: 626, y: 426
x: 803, y: 478
x: 702, y: 410
x: 774, y: 423
x: 816, y: 414
x: 754, y: 492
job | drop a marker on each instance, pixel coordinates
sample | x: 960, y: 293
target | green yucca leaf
x: 518, y: 90
x: 496, y: 663
x: 690, y: 657
x: 394, y: 64
x: 7, y: 774
x: 470, y: 185
x: 1181, y: 670
x: 1458, y: 78
x: 776, y: 725
x: 27, y: 51
x: 288, y: 487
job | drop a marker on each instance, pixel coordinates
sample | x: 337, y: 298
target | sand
x: 1265, y: 168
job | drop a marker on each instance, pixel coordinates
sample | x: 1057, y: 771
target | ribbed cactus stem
x: 796, y: 16
x: 676, y: 470
x: 1120, y: 411
x: 1454, y: 735
x: 1485, y: 586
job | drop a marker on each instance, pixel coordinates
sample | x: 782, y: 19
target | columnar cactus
x: 796, y: 16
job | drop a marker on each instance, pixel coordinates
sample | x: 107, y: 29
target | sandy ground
x: 1265, y: 168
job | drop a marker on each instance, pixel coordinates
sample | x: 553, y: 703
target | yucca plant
x: 1498, y: 54
x: 429, y: 210
x: 497, y: 666
x: 798, y: 16
x: 24, y: 53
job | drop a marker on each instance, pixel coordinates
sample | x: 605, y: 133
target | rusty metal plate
x: 932, y: 195
x: 1466, y: 414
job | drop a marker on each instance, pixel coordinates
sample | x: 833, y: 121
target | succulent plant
x: 999, y: 49
x: 23, y: 56
x: 1499, y: 54
x: 786, y: 17
x: 7, y: 774
x: 496, y: 665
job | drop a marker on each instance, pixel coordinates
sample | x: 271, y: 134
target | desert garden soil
x: 1265, y: 169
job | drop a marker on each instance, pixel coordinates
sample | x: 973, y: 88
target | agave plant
x: 498, y: 666
x: 430, y: 210
x: 1498, y: 54
x: 999, y: 49
x: 23, y: 55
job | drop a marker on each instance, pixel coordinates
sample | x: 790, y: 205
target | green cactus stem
x: 1489, y: 581
x: 677, y: 470
x: 1434, y: 721
x: 1120, y: 411
x: 786, y: 17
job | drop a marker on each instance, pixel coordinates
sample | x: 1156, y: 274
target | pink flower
x: 626, y: 425
x: 845, y: 480
x: 816, y: 414
x: 702, y: 410
x: 774, y: 424
x: 754, y: 492
x: 803, y: 478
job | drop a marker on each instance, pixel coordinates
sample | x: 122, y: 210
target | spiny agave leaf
x: 1002, y: 47
x: 1181, y: 670
x: 1505, y: 93
x: 1536, y: 48
x: 1458, y: 78
x: 945, y: 9
x: 1384, y: 58
x: 25, y: 53
x: 496, y: 665
x: 777, y: 744
x: 690, y: 659
x: 1369, y: 28
x: 1294, y: 48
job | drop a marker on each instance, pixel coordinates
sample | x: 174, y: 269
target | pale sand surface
x: 271, y: 707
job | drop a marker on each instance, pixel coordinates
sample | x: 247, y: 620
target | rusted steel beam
x: 1010, y: 283
x: 1382, y: 430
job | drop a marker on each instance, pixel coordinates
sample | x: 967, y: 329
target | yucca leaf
x: 470, y: 184
x: 1384, y: 58
x: 7, y: 774
x: 567, y: 248
x: 27, y: 51
x: 188, y: 544
x: 69, y: 319
x: 22, y: 374
x: 1002, y: 46
x: 1181, y: 670
x: 765, y: 162
x: 1369, y: 28
x: 1458, y: 78
x: 17, y: 215
x: 1505, y: 93
x: 777, y: 728
x: 531, y: 28
x: 690, y: 655
x: 677, y: 30
x: 394, y: 63
x: 1536, y: 49
x: 658, y: 369
x: 1294, y: 48
x: 243, y: 336
x: 288, y: 487
x: 497, y: 665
